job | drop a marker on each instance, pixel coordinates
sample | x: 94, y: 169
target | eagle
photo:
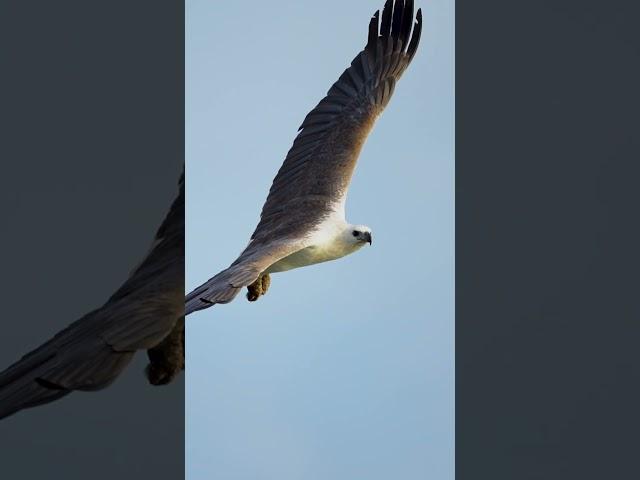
x: 145, y: 313
x: 303, y: 219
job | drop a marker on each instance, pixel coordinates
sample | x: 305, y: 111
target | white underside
x: 327, y: 242
x: 312, y: 255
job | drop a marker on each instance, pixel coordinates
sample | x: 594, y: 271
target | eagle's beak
x: 367, y: 237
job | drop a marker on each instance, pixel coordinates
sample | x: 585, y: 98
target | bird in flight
x: 303, y: 219
x: 145, y: 313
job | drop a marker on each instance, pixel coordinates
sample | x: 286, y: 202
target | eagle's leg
x: 258, y: 288
x: 166, y: 359
x: 266, y: 281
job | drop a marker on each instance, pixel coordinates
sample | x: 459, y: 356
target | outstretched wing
x: 313, y: 180
x: 91, y: 352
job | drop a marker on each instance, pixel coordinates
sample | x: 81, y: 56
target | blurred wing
x: 313, y: 180
x: 91, y: 352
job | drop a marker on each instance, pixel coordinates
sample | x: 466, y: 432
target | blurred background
x: 345, y: 369
x: 92, y: 137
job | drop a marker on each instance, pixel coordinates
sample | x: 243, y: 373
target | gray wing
x: 91, y: 352
x: 316, y: 173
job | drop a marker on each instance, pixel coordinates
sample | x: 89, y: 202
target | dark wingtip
x: 415, y: 37
x: 385, y: 26
x: 396, y: 27
x: 396, y: 22
x: 373, y: 29
x: 407, y: 21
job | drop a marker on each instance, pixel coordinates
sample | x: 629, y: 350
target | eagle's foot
x: 166, y: 360
x: 258, y: 288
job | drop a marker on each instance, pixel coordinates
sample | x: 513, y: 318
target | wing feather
x: 385, y: 26
x: 322, y: 158
x: 223, y: 287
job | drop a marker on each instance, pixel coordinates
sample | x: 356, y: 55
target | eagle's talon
x: 255, y: 290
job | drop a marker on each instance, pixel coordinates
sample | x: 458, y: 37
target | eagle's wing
x: 313, y: 180
x: 255, y: 259
x: 91, y: 352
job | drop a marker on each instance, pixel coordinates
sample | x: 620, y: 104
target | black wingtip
x: 396, y: 26
x: 385, y: 26
x: 397, y: 19
x: 407, y: 21
x: 415, y: 37
x: 373, y: 29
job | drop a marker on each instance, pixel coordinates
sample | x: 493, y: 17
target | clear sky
x: 344, y: 370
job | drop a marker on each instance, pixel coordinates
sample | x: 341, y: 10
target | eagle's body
x: 312, y: 255
x: 303, y: 219
x: 331, y: 241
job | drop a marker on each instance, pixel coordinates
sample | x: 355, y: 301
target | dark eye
x: 355, y: 233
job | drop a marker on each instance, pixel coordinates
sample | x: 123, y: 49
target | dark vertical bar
x: 547, y: 167
x: 92, y: 145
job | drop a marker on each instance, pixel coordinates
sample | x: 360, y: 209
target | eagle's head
x: 359, y: 234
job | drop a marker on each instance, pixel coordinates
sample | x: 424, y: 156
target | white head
x: 357, y: 235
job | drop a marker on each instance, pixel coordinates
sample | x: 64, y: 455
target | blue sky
x: 344, y: 370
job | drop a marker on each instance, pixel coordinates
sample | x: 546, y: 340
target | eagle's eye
x: 355, y: 233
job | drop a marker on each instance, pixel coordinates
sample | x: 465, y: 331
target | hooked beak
x: 367, y: 237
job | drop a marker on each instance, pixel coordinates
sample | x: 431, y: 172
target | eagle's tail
x: 222, y: 288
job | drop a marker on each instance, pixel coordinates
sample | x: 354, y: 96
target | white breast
x: 327, y: 243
